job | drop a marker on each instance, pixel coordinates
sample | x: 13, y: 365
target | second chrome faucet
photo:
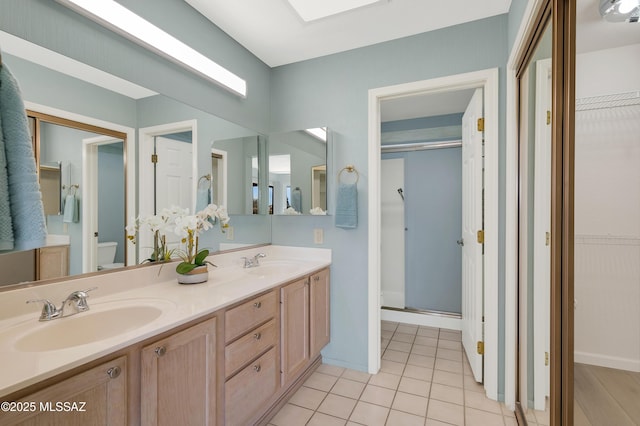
x: 252, y: 262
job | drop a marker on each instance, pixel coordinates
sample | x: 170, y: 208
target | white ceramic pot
x: 198, y: 275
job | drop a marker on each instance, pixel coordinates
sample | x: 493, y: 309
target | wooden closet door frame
x: 563, y: 20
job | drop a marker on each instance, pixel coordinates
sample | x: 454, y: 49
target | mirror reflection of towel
x: 347, y: 206
x: 296, y: 199
x: 203, y: 198
x: 71, y: 209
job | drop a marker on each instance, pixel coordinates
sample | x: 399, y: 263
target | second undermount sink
x: 275, y: 267
x: 101, y: 322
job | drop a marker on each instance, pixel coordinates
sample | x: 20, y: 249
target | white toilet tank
x: 107, y: 254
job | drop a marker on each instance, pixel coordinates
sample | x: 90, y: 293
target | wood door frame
x: 563, y: 21
x: 488, y: 79
x: 118, y: 131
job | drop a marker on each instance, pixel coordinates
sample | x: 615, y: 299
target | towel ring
x: 205, y: 177
x: 349, y: 169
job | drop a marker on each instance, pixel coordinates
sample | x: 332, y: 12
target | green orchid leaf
x: 185, y: 268
x: 201, y: 256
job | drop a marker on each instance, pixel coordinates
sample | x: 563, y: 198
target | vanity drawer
x: 249, y: 346
x: 241, y: 319
x: 248, y: 390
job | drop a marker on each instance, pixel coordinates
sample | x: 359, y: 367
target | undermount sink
x: 274, y: 267
x: 101, y: 322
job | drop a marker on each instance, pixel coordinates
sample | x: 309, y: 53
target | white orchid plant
x: 160, y: 225
x: 187, y: 227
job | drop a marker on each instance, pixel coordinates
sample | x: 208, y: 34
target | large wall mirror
x: 298, y: 171
x: 116, y: 126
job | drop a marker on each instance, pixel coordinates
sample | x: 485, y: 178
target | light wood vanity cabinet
x: 305, y: 322
x: 236, y: 367
x: 178, y: 378
x: 295, y: 328
x: 319, y: 315
x: 251, y: 373
x: 97, y: 396
x: 53, y: 262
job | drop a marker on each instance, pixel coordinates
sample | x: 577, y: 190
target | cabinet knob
x: 257, y: 368
x: 114, y: 372
x: 316, y: 278
x: 257, y: 336
x: 160, y: 350
x: 257, y: 305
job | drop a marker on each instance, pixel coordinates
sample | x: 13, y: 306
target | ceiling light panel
x: 311, y: 10
x: 121, y: 20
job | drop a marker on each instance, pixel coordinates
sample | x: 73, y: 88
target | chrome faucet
x: 252, y: 262
x: 76, y: 302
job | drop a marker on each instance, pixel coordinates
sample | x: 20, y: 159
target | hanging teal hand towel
x: 347, y: 206
x: 25, y: 199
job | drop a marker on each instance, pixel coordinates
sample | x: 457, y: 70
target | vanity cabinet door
x: 53, y: 262
x: 319, y: 311
x: 295, y: 328
x: 97, y: 396
x: 178, y: 383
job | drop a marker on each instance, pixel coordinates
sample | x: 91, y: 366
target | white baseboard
x: 600, y: 360
x: 428, y: 320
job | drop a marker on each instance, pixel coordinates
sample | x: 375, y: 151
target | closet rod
x: 421, y: 146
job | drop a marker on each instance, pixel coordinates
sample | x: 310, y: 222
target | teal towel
x: 25, y: 199
x: 296, y: 200
x: 71, y: 209
x: 347, y: 206
x: 203, y: 198
x: 6, y: 224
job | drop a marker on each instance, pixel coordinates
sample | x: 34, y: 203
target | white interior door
x: 541, y: 236
x: 472, y: 284
x: 392, y: 269
x: 174, y: 177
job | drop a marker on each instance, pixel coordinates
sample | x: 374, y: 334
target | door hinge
x: 481, y: 124
x: 546, y: 358
x: 547, y: 238
x: 548, y: 117
x: 154, y: 158
x: 481, y: 236
x: 480, y: 347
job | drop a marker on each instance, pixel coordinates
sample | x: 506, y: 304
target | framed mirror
x: 298, y: 171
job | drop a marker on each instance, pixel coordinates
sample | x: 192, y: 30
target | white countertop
x: 227, y: 284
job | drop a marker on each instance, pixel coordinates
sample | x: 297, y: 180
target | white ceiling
x: 594, y: 33
x: 275, y: 33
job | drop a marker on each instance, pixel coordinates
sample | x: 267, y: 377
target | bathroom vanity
x: 229, y: 351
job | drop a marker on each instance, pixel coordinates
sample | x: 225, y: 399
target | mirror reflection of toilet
x: 106, y: 256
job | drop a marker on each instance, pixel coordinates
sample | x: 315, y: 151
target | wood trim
x: 562, y: 210
x: 76, y: 124
x: 48, y: 118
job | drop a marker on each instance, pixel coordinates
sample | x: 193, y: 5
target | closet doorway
x: 477, y: 309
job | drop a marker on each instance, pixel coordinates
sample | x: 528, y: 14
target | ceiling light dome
x: 620, y: 10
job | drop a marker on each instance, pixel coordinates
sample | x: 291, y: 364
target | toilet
x: 106, y: 256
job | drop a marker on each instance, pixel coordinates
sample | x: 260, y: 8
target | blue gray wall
x: 333, y: 91
x: 111, y: 196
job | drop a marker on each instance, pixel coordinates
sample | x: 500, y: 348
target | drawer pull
x: 257, y: 336
x: 114, y: 372
x: 257, y: 368
x: 160, y: 351
x: 316, y: 278
x: 257, y: 305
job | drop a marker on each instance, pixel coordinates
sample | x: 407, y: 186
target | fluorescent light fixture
x: 318, y: 132
x: 121, y: 20
x: 311, y: 10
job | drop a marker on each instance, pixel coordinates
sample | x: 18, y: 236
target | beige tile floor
x: 425, y: 379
